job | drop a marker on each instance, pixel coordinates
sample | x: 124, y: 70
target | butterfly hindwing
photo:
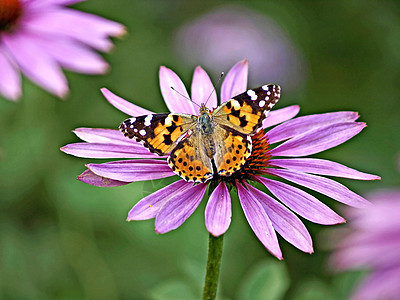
x: 158, y: 132
x: 245, y: 112
x: 190, y: 160
x: 233, y: 148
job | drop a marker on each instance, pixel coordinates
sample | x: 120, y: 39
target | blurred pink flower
x: 38, y: 37
x: 373, y: 243
x: 172, y: 205
x: 220, y: 38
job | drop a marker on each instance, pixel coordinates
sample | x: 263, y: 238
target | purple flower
x: 373, y: 242
x: 221, y: 37
x: 38, y: 37
x: 173, y: 204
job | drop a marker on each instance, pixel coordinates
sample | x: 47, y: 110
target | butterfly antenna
x: 172, y: 88
x: 219, y: 79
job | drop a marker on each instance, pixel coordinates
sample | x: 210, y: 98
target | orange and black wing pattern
x: 245, y: 112
x: 160, y: 133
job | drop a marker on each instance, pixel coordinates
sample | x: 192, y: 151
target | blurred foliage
x: 62, y: 239
x: 267, y: 281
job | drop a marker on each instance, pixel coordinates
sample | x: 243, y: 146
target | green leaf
x: 173, y: 289
x: 345, y: 283
x: 267, y: 281
x: 313, y: 290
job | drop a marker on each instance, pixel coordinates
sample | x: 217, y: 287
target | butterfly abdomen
x: 209, y: 146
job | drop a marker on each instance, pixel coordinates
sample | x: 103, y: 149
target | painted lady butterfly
x: 215, y: 142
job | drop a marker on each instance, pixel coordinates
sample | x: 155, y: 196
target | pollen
x: 10, y: 12
x: 260, y: 156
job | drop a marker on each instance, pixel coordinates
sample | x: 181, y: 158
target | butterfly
x: 216, y: 142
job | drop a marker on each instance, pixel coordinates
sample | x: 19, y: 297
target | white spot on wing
x: 261, y: 103
x: 133, y: 120
x: 265, y: 87
x: 236, y: 104
x: 135, y: 130
x: 168, y: 120
x: 252, y: 94
x: 147, y: 120
x: 142, y: 132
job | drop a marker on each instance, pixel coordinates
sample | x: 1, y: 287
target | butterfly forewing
x: 245, y: 112
x: 158, y: 132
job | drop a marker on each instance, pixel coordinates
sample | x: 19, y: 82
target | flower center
x: 10, y: 12
x: 255, y: 164
x: 259, y: 157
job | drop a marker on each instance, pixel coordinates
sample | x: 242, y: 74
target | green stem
x: 213, y: 263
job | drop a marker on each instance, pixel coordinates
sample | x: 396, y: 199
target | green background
x: 63, y: 239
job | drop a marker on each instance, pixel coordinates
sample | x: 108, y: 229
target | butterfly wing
x: 245, y: 112
x: 160, y: 133
x: 232, y: 150
x: 190, y: 159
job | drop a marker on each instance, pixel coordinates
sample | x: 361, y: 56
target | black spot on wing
x: 171, y: 128
x: 235, y: 113
x: 243, y: 121
x: 167, y: 139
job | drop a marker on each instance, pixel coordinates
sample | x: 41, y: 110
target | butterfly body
x: 215, y: 142
x: 205, y: 121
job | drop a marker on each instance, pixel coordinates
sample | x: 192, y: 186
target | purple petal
x: 235, y: 81
x: 36, y: 63
x: 133, y: 170
x: 301, y: 125
x: 259, y: 221
x: 90, y: 178
x: 318, y: 140
x: 10, y: 80
x: 302, y: 203
x: 123, y: 105
x: 65, y: 2
x: 88, y: 29
x: 104, y: 136
x: 97, y: 150
x: 218, y: 211
x: 281, y: 115
x: 74, y: 56
x: 148, y: 207
x: 46, y: 3
x: 177, y: 100
x: 322, y: 167
x: 357, y: 251
x: 323, y: 185
x: 286, y: 223
x: 94, y: 24
x: 384, y: 284
x: 178, y: 208
x: 202, y: 88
